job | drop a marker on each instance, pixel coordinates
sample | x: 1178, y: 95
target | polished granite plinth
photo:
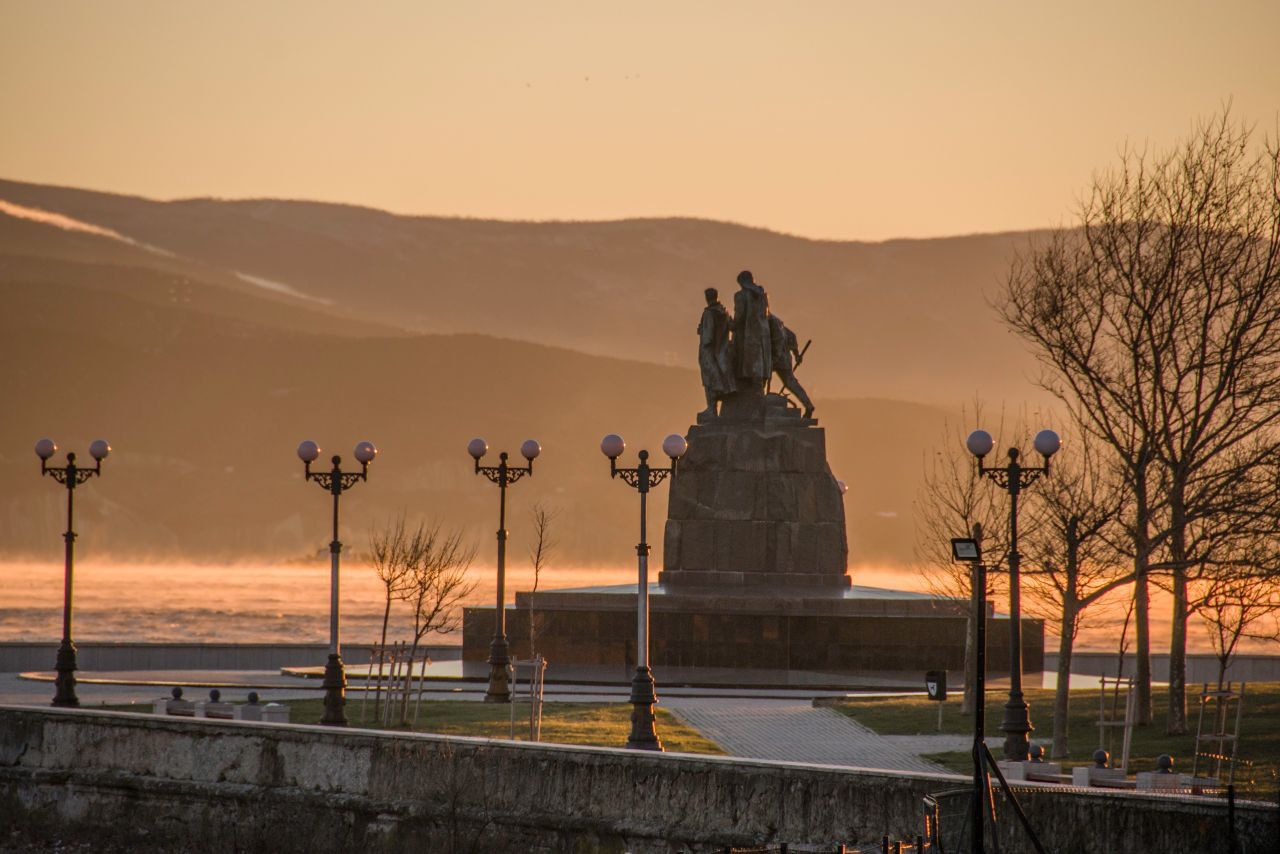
x: 854, y: 634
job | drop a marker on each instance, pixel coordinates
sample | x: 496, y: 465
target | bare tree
x: 1242, y: 605
x: 1074, y: 563
x: 1158, y: 323
x: 392, y: 552
x: 951, y: 501
x: 540, y: 554
x: 436, y: 585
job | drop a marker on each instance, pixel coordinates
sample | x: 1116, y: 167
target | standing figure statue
x: 714, y: 358
x: 752, y: 347
x: 785, y: 346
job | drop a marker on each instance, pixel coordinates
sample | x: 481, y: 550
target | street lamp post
x: 335, y: 482
x: 69, y: 476
x: 503, y: 475
x: 644, y: 736
x: 1014, y: 478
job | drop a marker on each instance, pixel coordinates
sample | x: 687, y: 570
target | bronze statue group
x: 743, y: 352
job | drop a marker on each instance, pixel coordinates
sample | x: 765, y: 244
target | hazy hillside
x: 903, y: 319
x: 204, y: 410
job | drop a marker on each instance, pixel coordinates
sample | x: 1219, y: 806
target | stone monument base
x: 862, y: 635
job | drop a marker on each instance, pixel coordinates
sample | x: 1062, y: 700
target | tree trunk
x: 1142, y: 645
x: 1061, y: 694
x: 408, y: 682
x: 1142, y: 598
x: 382, y: 653
x: 1177, y: 717
x: 1177, y: 721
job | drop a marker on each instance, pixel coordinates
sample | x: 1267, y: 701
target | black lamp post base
x: 644, y: 733
x: 65, y: 684
x: 1017, y: 729
x: 335, y: 692
x: 499, y: 690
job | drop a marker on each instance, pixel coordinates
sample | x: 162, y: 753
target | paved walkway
x: 796, y: 731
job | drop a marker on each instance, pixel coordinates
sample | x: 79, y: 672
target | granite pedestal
x: 858, y: 637
x: 754, y: 587
x: 754, y: 504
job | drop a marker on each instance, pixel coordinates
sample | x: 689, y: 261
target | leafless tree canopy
x: 540, y: 554
x: 1158, y: 324
x: 437, y: 582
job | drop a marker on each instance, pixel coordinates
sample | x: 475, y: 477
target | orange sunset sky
x: 853, y: 120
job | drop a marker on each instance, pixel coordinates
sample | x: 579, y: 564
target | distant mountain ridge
x: 904, y: 319
x: 205, y: 381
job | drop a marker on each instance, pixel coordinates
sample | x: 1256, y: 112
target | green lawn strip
x: 596, y: 724
x: 1259, y: 729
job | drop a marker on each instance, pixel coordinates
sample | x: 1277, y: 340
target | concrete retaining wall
x: 234, y: 786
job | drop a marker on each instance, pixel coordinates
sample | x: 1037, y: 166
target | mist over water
x: 228, y: 603
x: 289, y: 603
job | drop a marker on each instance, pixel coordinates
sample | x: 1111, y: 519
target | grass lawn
x: 1259, y: 729
x: 597, y: 724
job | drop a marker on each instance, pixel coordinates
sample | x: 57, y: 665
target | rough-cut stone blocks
x: 754, y: 503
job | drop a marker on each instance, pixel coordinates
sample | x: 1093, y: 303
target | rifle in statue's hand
x: 800, y: 355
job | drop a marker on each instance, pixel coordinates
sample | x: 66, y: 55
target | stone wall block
x: 682, y: 502
x: 832, y: 553
x: 778, y: 546
x: 782, y: 498
x: 806, y: 548
x: 697, y: 544
x: 736, y: 496
x: 671, y: 542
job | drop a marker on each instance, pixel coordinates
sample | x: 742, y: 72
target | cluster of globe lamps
x: 336, y: 481
x: 70, y: 476
x: 1013, y: 477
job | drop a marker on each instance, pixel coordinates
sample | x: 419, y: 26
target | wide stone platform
x: 860, y: 635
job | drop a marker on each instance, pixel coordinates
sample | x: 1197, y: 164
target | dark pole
x: 499, y: 652
x: 1014, y: 478
x: 335, y: 482
x: 65, y: 682
x: 70, y: 476
x: 644, y: 733
x: 1017, y: 714
x: 979, y: 708
x: 642, y: 478
x: 335, y: 675
x: 502, y: 475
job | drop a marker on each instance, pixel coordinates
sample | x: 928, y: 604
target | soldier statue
x: 752, y: 346
x: 785, y: 347
x: 714, y: 357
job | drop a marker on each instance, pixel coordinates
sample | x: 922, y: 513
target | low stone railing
x: 200, y: 784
